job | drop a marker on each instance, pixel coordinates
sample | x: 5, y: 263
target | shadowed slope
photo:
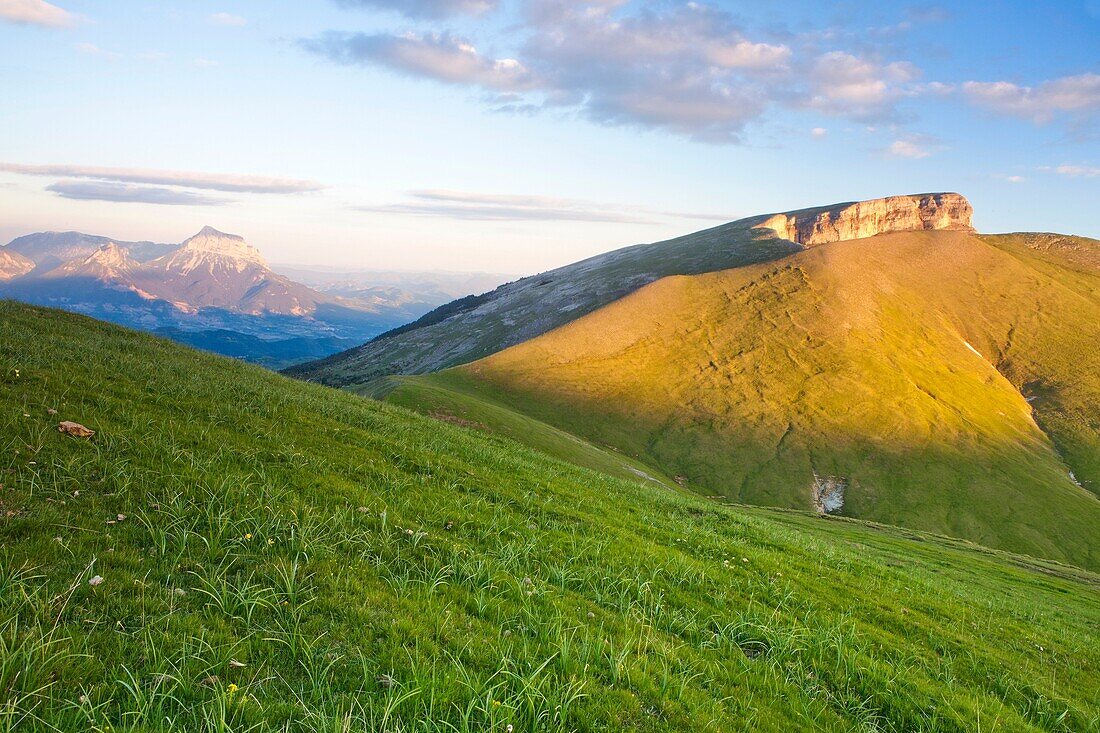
x: 894, y: 364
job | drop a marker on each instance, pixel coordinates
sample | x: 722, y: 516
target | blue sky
x: 517, y: 135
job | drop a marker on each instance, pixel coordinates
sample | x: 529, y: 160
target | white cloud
x: 186, y: 179
x: 1078, y: 171
x: 227, y: 19
x: 35, y: 12
x: 1015, y: 179
x: 912, y: 147
x: 749, y: 55
x: 818, y: 133
x: 1073, y: 95
x: 442, y: 57
x: 906, y: 149
x: 851, y: 86
x: 204, y: 63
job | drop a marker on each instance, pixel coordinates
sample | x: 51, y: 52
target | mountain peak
x: 110, y: 254
x: 210, y: 241
x: 209, y: 231
x: 859, y: 219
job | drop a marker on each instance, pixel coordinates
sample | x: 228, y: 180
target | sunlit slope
x: 476, y: 326
x: 236, y: 551
x: 901, y: 364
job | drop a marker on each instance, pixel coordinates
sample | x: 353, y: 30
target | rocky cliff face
x: 859, y: 219
x: 13, y: 265
x: 211, y: 248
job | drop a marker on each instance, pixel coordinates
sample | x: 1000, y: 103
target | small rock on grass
x: 74, y: 429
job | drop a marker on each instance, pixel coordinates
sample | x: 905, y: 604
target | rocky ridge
x: 859, y: 219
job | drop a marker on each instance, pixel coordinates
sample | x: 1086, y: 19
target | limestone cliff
x: 858, y: 219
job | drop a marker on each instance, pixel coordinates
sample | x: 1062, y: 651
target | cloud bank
x: 464, y: 205
x: 187, y: 179
x: 686, y: 68
x: 1076, y: 96
x: 131, y: 193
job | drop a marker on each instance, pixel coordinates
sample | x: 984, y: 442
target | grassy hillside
x: 235, y: 551
x: 951, y: 382
x: 476, y: 326
x: 436, y: 395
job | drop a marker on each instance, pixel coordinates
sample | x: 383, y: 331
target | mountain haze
x: 214, y: 291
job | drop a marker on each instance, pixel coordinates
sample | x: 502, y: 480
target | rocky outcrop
x: 213, y: 248
x: 858, y: 219
x: 13, y: 265
x: 108, y: 263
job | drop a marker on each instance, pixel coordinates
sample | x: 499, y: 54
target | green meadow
x: 236, y: 551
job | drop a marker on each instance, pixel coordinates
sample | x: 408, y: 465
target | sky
x: 514, y: 136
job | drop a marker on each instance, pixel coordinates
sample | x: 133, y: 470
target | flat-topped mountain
x: 859, y: 219
x: 471, y: 328
x: 938, y: 380
x: 878, y: 360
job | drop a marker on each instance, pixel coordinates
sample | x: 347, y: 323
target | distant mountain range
x: 215, y: 291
